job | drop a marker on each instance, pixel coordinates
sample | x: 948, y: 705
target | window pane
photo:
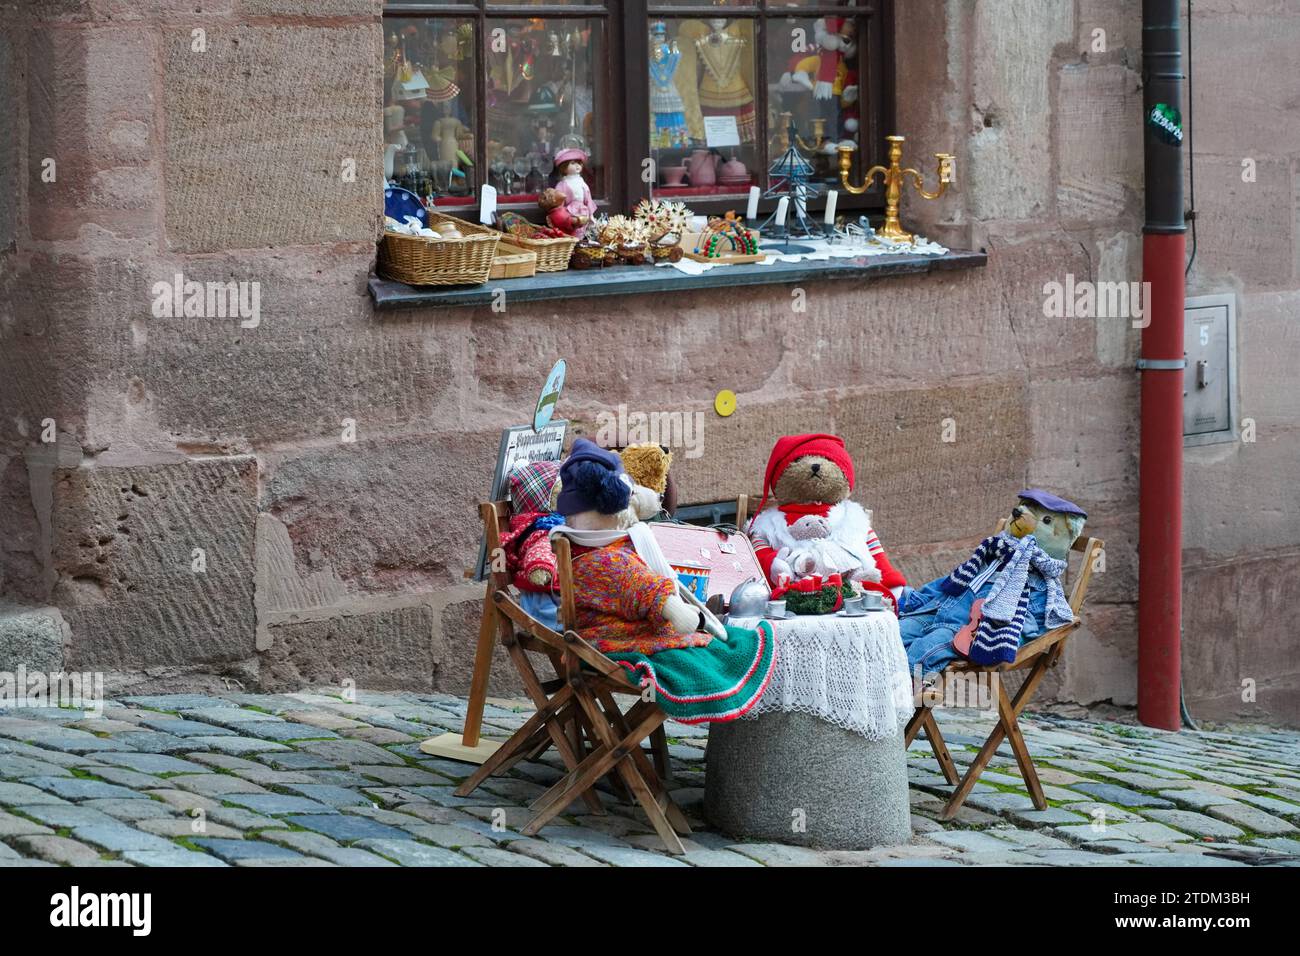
x: 813, y: 67
x: 544, y: 94
x: 703, y: 127
x: 429, y: 97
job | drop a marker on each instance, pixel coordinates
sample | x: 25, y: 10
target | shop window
x: 689, y: 99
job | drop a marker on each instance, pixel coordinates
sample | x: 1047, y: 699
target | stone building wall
x: 200, y: 520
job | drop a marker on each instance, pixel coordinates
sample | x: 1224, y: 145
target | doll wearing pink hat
x: 577, y: 194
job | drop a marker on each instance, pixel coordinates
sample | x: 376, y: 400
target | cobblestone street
x: 311, y: 779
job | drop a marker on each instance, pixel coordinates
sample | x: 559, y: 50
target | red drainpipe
x: 1160, y: 502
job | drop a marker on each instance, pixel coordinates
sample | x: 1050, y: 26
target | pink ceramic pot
x: 703, y: 167
x: 673, y: 175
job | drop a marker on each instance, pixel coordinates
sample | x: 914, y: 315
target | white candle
x: 831, y: 198
x: 751, y: 211
x: 781, y: 209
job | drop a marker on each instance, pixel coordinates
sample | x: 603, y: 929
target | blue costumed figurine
x: 1006, y: 593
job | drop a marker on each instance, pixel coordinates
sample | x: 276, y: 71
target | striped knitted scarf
x: 1002, y: 619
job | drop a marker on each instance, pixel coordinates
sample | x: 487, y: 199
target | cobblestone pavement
x: 311, y: 779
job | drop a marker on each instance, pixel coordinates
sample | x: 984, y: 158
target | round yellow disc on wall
x: 724, y: 403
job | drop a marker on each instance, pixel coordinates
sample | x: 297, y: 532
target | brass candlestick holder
x: 893, y: 178
x: 789, y: 134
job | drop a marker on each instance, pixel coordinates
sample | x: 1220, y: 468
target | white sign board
x: 721, y: 131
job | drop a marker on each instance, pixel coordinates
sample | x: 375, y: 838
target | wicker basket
x: 417, y: 260
x: 512, y: 262
x: 552, y: 254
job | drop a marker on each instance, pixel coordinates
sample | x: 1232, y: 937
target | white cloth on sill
x: 849, y: 671
x: 823, y: 250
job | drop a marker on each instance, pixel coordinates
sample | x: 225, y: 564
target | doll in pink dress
x: 578, y: 202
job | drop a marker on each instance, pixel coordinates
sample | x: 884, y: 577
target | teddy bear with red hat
x: 814, y: 530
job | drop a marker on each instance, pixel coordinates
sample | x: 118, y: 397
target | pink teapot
x: 733, y: 172
x: 702, y: 167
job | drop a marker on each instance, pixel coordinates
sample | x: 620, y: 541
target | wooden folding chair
x: 1038, y: 655
x: 576, y: 712
x: 566, y: 732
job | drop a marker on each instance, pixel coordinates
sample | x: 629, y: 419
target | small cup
x: 854, y: 605
x: 871, y: 601
x: 776, y: 609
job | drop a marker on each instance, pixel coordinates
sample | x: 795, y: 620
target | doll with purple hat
x: 630, y: 604
x: 1005, y: 594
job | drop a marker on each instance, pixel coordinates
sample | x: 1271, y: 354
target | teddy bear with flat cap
x: 815, y: 531
x: 1006, y: 593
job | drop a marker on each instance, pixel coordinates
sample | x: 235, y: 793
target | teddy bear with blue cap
x: 1006, y: 593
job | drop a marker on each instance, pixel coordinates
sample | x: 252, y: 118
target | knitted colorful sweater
x: 620, y: 602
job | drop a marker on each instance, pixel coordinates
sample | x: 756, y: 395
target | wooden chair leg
x: 516, y: 743
x: 610, y: 754
x: 1000, y: 730
x: 569, y: 751
x: 596, y: 765
x: 1017, y: 741
x: 653, y: 809
x: 659, y: 746
x: 913, y: 726
x: 531, y: 749
x: 629, y: 768
x: 649, y: 774
x: 946, y: 764
x: 561, y: 793
x: 1013, y: 708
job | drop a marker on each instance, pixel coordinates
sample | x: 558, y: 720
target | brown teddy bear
x: 815, y: 530
x: 647, y: 464
x: 552, y: 202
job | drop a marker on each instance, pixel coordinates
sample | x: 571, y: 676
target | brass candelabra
x: 789, y: 134
x: 893, y: 178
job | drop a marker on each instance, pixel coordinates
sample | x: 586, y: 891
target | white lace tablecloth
x: 849, y: 671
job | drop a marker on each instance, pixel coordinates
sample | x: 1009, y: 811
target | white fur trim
x: 850, y: 528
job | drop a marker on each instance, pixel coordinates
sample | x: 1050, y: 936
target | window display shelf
x: 654, y: 280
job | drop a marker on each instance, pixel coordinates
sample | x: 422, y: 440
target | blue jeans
x: 928, y: 629
x: 542, y: 607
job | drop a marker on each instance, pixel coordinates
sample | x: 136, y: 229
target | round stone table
x: 819, y: 761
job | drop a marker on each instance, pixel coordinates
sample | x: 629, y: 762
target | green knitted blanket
x: 721, y: 681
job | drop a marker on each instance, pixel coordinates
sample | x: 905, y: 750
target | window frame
x: 625, y: 19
